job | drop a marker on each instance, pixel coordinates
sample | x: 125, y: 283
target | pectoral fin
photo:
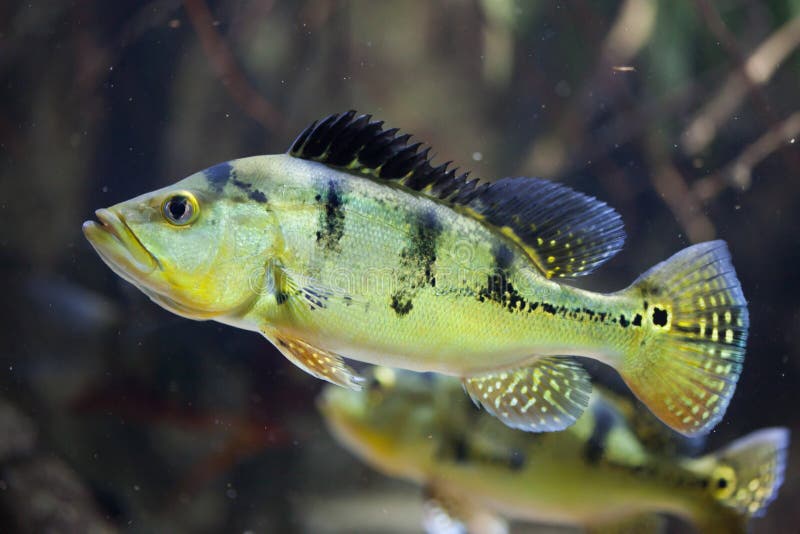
x: 448, y: 513
x: 546, y: 396
x: 316, y: 361
x: 311, y: 293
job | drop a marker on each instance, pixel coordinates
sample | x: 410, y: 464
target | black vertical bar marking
x: 417, y: 261
x: 331, y: 223
x: 498, y: 288
x: 603, y: 423
x: 428, y: 230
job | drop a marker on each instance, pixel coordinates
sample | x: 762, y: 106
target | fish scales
x: 451, y: 275
x: 352, y: 245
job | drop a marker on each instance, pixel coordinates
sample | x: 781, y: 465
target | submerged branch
x: 671, y: 185
x: 739, y: 172
x: 224, y: 63
x: 753, y: 72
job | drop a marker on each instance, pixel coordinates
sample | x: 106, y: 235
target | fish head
x: 393, y: 423
x: 192, y: 247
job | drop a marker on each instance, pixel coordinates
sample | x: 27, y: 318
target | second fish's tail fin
x: 689, y: 358
x: 747, y: 474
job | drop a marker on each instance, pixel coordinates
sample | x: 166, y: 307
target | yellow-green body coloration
x: 610, y: 472
x: 352, y: 245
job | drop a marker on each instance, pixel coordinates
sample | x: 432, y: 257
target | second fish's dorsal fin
x: 649, y: 430
x: 565, y: 233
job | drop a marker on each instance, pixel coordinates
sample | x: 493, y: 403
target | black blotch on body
x: 257, y: 196
x: 623, y: 321
x: 252, y: 194
x: 218, y: 175
x: 460, y: 450
x: 603, y: 423
x: 637, y: 320
x: 660, y: 317
x: 244, y: 186
x: 417, y: 260
x: 503, y: 256
x: 517, y: 460
x: 332, y: 218
x: 423, y: 245
x: 401, y: 303
x: 498, y: 287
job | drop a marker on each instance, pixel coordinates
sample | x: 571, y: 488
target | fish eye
x: 180, y: 209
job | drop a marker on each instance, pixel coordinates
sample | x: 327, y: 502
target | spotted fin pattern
x: 564, y: 232
x: 546, y: 396
x: 686, y: 372
x: 317, y: 362
x: 750, y: 471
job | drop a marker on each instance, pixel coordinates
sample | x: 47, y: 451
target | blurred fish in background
x: 612, y: 471
x: 682, y: 115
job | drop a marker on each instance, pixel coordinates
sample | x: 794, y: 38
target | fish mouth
x: 119, y: 247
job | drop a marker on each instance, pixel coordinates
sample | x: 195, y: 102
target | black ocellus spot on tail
x: 660, y: 317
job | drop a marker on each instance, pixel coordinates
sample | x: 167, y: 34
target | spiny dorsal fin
x: 565, y: 233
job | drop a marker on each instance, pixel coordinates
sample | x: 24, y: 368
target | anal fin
x: 446, y: 512
x: 546, y: 396
x: 316, y: 361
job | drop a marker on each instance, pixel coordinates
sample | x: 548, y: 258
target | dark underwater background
x: 117, y: 415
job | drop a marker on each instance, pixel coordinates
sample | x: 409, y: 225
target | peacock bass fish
x: 354, y: 245
x: 614, y: 470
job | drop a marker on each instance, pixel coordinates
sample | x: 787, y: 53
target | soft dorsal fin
x: 649, y: 430
x: 564, y: 232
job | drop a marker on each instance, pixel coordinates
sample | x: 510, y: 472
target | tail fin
x: 696, y: 323
x: 749, y: 472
